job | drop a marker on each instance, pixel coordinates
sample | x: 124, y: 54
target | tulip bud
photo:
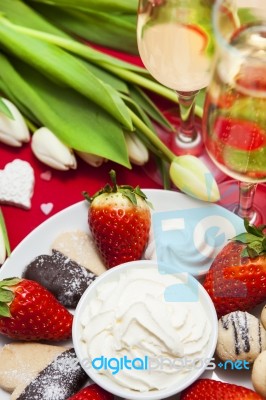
x: 192, y: 177
x: 137, y: 151
x: 51, y: 151
x: 91, y: 159
x: 13, y: 131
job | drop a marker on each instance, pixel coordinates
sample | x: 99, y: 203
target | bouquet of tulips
x: 79, y: 98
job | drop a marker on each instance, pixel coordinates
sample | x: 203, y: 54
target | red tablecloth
x: 62, y: 190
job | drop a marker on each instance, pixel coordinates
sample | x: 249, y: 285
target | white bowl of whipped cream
x: 141, y: 332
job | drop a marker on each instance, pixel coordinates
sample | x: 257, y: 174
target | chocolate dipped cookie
x: 63, y: 277
x: 39, y: 371
x: 58, y: 381
x: 241, y: 336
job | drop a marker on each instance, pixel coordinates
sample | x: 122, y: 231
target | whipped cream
x: 129, y: 318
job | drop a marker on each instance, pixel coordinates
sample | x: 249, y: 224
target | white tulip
x: 51, y: 151
x: 191, y: 176
x: 2, y: 247
x: 137, y: 151
x: 13, y: 132
x: 91, y: 159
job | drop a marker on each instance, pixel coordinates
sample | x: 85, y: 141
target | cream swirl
x: 130, y: 318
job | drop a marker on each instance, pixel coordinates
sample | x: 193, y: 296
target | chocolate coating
x: 62, y: 276
x: 58, y: 381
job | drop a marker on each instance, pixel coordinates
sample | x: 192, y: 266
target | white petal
x: 51, y: 151
x: 191, y: 176
x: 137, y: 151
x: 91, y: 159
x: 13, y: 132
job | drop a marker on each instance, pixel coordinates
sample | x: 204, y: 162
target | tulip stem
x: 165, y: 151
x: 119, y: 68
x: 30, y: 125
x: 4, y: 232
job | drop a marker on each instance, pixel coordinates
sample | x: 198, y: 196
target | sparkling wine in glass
x: 234, y: 122
x: 176, y: 45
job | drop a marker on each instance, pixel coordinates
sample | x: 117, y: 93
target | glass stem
x: 187, y: 131
x: 246, y: 197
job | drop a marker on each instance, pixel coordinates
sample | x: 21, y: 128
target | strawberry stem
x: 86, y: 196
x: 112, y: 174
x: 126, y: 190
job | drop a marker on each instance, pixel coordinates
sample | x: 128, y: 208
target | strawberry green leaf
x: 246, y: 238
x: 4, y: 310
x: 244, y: 253
x: 130, y: 195
x: 264, y: 243
x: 246, y: 224
x: 9, y: 282
x: 255, y: 246
x: 6, y: 296
x: 252, y: 252
x: 257, y: 231
x: 141, y: 194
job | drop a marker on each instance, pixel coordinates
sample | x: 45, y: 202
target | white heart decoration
x: 47, y: 208
x: 16, y: 184
x: 46, y: 176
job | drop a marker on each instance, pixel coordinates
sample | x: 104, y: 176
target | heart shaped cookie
x: 47, y: 208
x: 16, y: 184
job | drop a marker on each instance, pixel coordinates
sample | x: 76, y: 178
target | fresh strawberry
x: 119, y: 218
x: 30, y: 312
x: 92, y: 392
x: 209, y: 389
x: 239, y: 133
x: 237, y: 277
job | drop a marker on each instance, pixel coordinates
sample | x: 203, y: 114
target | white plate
x: 196, y: 216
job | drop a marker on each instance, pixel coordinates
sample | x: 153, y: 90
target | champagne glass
x: 234, y: 121
x: 175, y: 41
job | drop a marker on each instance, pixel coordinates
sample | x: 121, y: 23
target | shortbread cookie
x: 21, y: 362
x: 79, y: 247
x: 258, y: 375
x: 263, y: 316
x: 61, y: 276
x: 241, y: 336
